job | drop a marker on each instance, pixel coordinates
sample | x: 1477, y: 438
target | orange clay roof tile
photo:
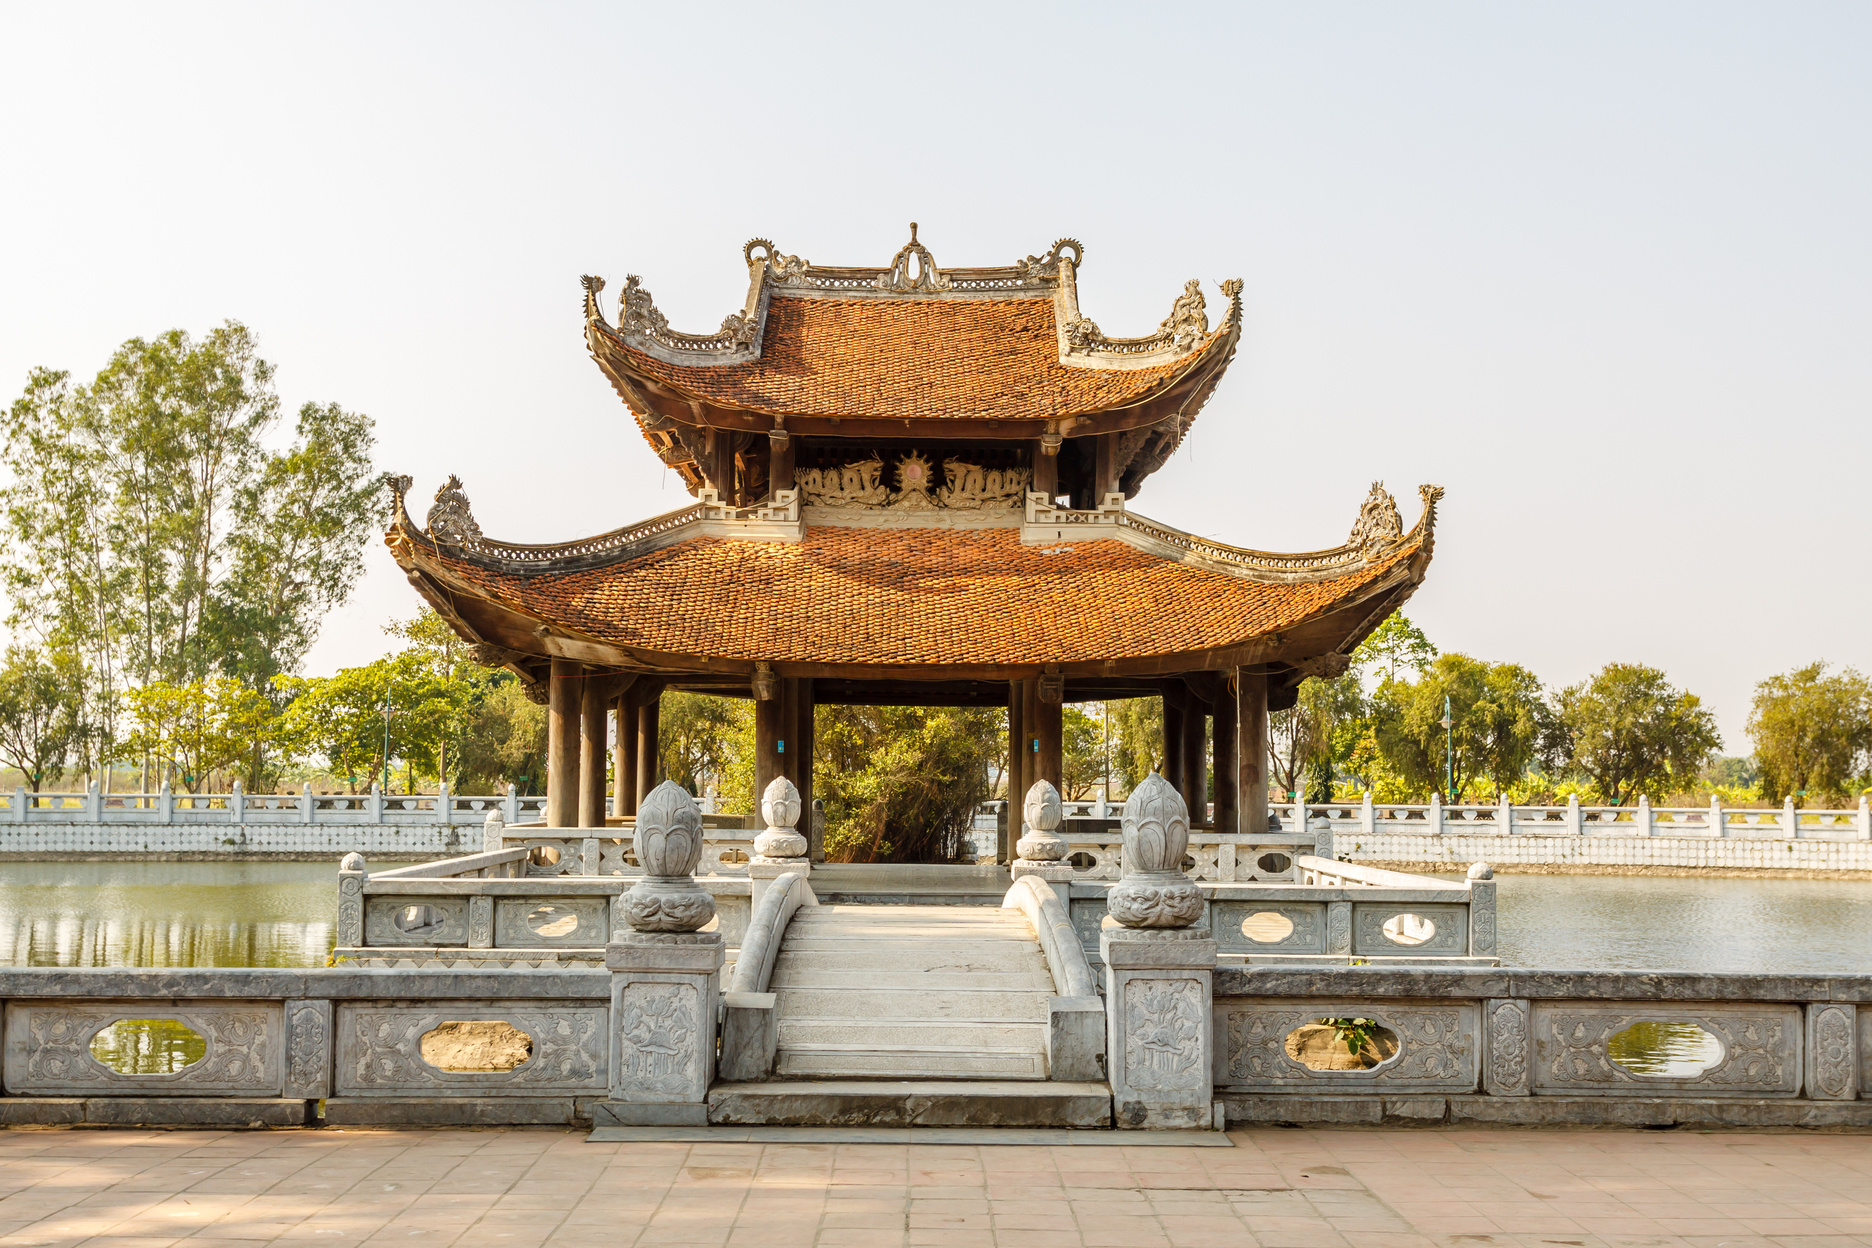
x: 982, y: 358
x: 910, y: 596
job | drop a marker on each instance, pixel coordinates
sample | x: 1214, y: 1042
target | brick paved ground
x: 540, y: 1188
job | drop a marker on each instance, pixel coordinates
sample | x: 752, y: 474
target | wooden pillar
x: 800, y: 750
x: 593, y: 745
x: 562, y: 744
x: 722, y: 464
x: 1195, y: 787
x: 779, y: 470
x: 1225, y: 761
x: 649, y: 757
x: 624, y: 754
x: 1049, y: 765
x: 1251, y: 734
x: 769, y: 731
x: 1174, y: 701
x: 1016, y: 764
x: 1104, y: 467
x: 1030, y: 735
x: 1045, y: 471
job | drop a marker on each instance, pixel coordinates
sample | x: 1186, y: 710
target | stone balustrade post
x: 443, y: 813
x: 666, y: 976
x: 1575, y: 820
x: 19, y: 804
x: 1790, y: 819
x: 1865, y: 819
x: 1504, y: 815
x: 1643, y: 823
x: 1367, y: 818
x: 1718, y: 824
x: 493, y: 832
x: 94, y: 801
x: 1041, y: 851
x: 779, y: 849
x: 165, y: 803
x: 1159, y: 973
x: 376, y: 803
x: 1481, y: 910
x: 307, y: 807
x: 1434, y: 816
x: 352, y: 872
x: 512, y: 814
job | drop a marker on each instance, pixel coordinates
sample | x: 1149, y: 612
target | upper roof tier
x: 911, y: 348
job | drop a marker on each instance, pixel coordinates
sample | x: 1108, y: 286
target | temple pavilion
x: 913, y: 485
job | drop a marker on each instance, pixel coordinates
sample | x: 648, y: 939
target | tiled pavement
x: 1278, y: 1188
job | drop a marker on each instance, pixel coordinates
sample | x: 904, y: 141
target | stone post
x: 1642, y: 820
x: 351, y: 877
x: 1041, y: 850
x: 1718, y: 825
x: 94, y: 803
x: 19, y: 804
x: 780, y: 849
x: 443, y: 813
x: 1433, y: 817
x: 1790, y: 819
x: 1575, y: 824
x: 1504, y: 815
x: 1481, y: 910
x: 1833, y: 1067
x: 166, y: 803
x: 1865, y: 819
x: 493, y: 832
x: 1159, y: 973
x: 1367, y: 818
x: 666, y: 976
x: 512, y: 812
x: 308, y: 809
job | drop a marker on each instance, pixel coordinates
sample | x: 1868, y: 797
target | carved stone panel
x: 48, y: 1048
x: 1506, y: 1042
x: 1451, y: 936
x: 480, y: 922
x: 1308, y: 920
x: 380, y: 1050
x: 1832, y: 1052
x: 549, y: 922
x: 1761, y: 1049
x: 1088, y: 915
x: 1437, y: 1046
x: 415, y: 920
x: 308, y: 1049
x: 1339, y: 927
x: 659, y: 1034
x: 1163, y: 1034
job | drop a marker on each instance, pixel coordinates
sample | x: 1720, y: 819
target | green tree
x: 342, y: 718
x: 901, y: 783
x: 1630, y: 732
x: 700, y: 736
x: 1082, y: 754
x: 1812, y: 732
x: 1395, y: 645
x: 1496, y: 715
x: 199, y: 728
x: 1137, y: 739
x: 503, y: 740
x: 38, y: 712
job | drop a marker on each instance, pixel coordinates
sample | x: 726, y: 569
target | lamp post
x: 1449, y: 751
x: 386, y: 743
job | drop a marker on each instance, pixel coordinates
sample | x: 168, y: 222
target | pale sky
x: 1604, y: 271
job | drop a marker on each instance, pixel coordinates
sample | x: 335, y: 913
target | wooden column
x: 624, y: 753
x: 779, y: 469
x: 1016, y: 762
x: 722, y: 464
x: 1174, y: 701
x: 1251, y: 731
x: 593, y: 745
x: 1104, y: 467
x: 649, y: 759
x: 1045, y: 471
x: 562, y: 744
x: 802, y: 756
x: 1030, y: 734
x: 1196, y: 760
x: 769, y: 730
x: 1048, y: 763
x: 1225, y: 761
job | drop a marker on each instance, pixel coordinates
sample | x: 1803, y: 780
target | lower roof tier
x: 835, y: 598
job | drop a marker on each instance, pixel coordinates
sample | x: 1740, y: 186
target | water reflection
x: 1665, y: 1050
x: 166, y: 913
x: 148, y: 1046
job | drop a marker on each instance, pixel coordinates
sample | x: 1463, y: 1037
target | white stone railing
x: 166, y: 806
x: 1341, y: 819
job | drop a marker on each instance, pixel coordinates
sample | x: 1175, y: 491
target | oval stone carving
x: 1661, y: 1050
x: 1267, y: 927
x: 1408, y: 929
x: 148, y: 1046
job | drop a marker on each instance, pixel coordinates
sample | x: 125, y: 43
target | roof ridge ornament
x: 1047, y: 263
x: 1181, y: 332
x: 899, y: 280
x: 782, y: 270
x: 1379, y: 527
x: 451, y: 522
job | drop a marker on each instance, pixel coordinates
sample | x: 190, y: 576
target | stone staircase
x: 911, y: 992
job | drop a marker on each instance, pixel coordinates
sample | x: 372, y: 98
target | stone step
x: 912, y: 1061
x: 844, y: 975
x: 970, y: 932
x: 919, y: 959
x: 975, y: 1004
x: 899, y: 1103
x: 946, y: 1033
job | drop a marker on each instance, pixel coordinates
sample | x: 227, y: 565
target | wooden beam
x: 593, y: 746
x: 1251, y: 747
x: 562, y: 744
x: 624, y: 754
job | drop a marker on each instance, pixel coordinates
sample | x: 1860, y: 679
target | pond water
x: 281, y: 914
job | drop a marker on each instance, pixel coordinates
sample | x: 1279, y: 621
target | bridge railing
x: 165, y: 806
